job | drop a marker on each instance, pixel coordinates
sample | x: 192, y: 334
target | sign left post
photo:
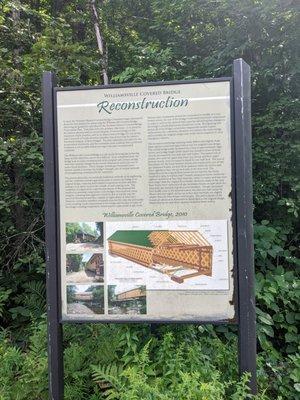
x: 55, y: 333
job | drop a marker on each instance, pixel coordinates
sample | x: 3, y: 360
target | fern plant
x: 165, y: 371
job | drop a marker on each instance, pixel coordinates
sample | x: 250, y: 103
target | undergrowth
x: 136, y: 363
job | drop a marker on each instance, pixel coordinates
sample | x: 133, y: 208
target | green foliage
x: 98, y: 294
x: 24, y: 374
x: 4, y: 295
x: 161, y: 368
x: 148, y: 41
x: 276, y: 158
x: 278, y: 316
x: 71, y: 290
x: 280, y: 375
x: 72, y: 228
x: 277, y: 289
x: 74, y: 262
x: 122, y: 362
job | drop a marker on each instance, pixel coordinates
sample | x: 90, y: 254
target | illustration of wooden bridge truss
x: 181, y: 254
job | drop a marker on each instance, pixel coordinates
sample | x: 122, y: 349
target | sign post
x: 54, y: 328
x: 244, y: 213
x: 149, y: 207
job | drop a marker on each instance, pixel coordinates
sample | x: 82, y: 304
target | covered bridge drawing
x: 179, y: 254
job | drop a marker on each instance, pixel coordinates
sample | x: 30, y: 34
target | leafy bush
x: 135, y: 362
x: 125, y: 363
x: 277, y: 288
x: 24, y: 374
x: 171, y: 369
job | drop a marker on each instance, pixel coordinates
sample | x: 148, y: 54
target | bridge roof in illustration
x: 153, y: 238
x: 139, y: 238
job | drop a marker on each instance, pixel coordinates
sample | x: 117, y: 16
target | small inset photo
x: 85, y: 299
x: 129, y: 300
x: 84, y: 237
x: 84, y: 268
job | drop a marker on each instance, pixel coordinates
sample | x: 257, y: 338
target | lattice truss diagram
x: 179, y: 254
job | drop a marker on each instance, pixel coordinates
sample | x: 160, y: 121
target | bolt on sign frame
x: 241, y: 160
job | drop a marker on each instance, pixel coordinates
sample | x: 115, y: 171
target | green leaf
x: 290, y: 317
x: 266, y: 319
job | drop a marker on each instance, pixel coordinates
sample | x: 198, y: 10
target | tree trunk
x: 19, y: 216
x: 56, y: 7
x: 100, y: 42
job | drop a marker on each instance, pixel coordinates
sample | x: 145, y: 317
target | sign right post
x: 244, y: 220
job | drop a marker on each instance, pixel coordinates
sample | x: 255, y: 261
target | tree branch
x: 100, y: 42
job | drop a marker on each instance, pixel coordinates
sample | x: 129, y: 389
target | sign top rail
x: 156, y: 83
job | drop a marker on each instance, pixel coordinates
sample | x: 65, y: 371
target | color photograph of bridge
x: 127, y: 299
x: 85, y: 299
x: 83, y: 237
x: 84, y: 268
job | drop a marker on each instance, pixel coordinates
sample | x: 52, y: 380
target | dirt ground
x: 81, y: 277
x: 77, y: 308
x: 79, y: 248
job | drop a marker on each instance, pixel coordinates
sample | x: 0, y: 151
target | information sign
x: 148, y: 199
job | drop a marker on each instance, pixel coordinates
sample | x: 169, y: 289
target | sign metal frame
x: 243, y: 254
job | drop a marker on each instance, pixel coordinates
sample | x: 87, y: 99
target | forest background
x: 148, y: 40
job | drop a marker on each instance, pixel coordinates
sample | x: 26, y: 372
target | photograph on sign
x: 85, y: 299
x: 84, y: 237
x: 86, y: 267
x: 145, y: 184
x: 127, y: 299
